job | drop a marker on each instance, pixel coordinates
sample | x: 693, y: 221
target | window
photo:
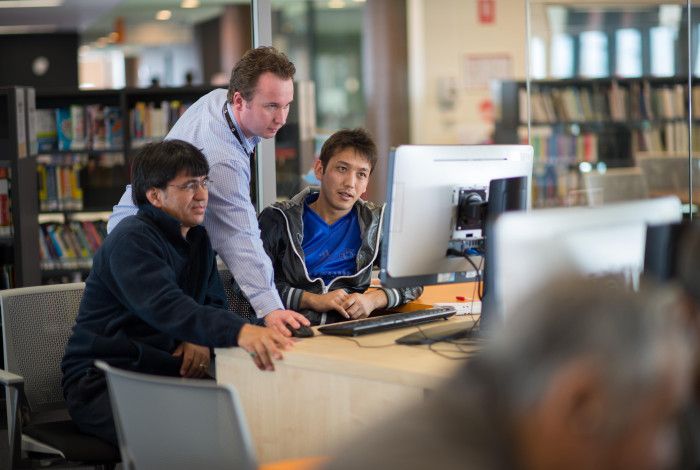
x: 663, y: 39
x: 562, y: 63
x: 629, y: 53
x: 594, y: 54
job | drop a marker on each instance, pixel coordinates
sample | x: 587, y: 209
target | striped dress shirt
x: 230, y: 220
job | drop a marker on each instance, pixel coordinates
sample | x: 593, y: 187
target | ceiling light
x: 336, y: 4
x: 30, y: 3
x: 164, y: 15
x: 189, y: 4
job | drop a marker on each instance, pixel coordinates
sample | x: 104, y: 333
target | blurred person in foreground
x: 587, y: 376
x: 688, y: 265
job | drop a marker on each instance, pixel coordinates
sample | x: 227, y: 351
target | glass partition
x: 607, y: 102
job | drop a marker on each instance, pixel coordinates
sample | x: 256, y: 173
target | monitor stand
x: 453, y: 331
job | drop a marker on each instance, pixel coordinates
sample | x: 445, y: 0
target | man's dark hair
x: 357, y: 139
x: 255, y: 62
x: 158, y: 164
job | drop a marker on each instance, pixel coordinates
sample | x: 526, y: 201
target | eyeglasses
x: 194, y: 185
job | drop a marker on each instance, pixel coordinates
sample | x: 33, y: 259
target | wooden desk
x: 329, y: 388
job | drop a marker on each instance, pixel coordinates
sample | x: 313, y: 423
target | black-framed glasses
x: 194, y: 185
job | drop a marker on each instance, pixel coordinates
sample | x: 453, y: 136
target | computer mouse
x: 301, y: 332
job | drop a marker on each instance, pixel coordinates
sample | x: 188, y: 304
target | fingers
x: 187, y: 362
x: 178, y: 350
x: 280, y: 327
x: 291, y: 320
x: 266, y: 347
x: 195, y: 360
x: 300, y: 318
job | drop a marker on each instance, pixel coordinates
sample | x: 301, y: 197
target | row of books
x: 553, y: 144
x: 77, y: 127
x: 71, y: 245
x: 554, y: 184
x: 613, y: 102
x: 667, y: 138
x: 152, y: 121
x: 59, y: 182
x: 5, y: 202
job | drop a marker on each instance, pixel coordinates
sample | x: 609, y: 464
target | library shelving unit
x: 609, y: 121
x: 19, y: 258
x: 86, y: 139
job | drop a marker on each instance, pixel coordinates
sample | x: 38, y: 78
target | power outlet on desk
x: 462, y: 308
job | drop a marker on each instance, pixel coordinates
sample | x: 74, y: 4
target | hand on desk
x: 195, y: 360
x: 263, y: 345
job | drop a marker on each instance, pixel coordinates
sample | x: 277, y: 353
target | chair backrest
x: 616, y: 184
x: 165, y: 422
x: 236, y: 300
x: 36, y: 325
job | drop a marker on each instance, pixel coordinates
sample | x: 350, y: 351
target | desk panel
x: 329, y: 388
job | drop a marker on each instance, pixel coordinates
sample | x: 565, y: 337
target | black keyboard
x: 387, y: 322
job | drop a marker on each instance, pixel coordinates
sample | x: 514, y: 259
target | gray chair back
x: 237, y: 302
x: 166, y: 422
x: 36, y: 325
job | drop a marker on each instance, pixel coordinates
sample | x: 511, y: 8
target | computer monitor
x: 427, y: 185
x: 528, y: 250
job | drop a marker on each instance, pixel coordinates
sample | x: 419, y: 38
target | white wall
x: 441, y: 35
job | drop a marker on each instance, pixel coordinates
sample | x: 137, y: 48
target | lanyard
x: 253, y: 166
x: 232, y: 126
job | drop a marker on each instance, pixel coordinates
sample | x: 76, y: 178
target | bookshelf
x: 86, y: 139
x: 19, y: 259
x: 601, y: 121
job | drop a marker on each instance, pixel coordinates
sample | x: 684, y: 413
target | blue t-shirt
x: 330, y: 250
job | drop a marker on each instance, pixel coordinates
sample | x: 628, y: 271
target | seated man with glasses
x: 154, y: 302
x: 324, y: 241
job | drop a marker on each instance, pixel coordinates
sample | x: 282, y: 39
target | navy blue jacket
x: 149, y: 290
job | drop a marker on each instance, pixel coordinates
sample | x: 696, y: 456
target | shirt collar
x: 248, y: 144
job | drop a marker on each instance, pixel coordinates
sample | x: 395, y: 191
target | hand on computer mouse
x: 302, y: 332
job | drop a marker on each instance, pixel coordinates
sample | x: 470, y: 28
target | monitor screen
x: 528, y: 250
x: 427, y: 185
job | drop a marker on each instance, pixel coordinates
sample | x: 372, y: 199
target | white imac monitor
x: 528, y: 250
x: 426, y: 184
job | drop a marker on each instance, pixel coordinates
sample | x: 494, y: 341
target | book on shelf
x: 59, y: 181
x: 78, y: 127
x: 70, y: 245
x: 150, y: 121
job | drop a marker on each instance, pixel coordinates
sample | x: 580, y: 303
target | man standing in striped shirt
x: 227, y: 125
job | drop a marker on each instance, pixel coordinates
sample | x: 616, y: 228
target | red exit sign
x: 486, y: 11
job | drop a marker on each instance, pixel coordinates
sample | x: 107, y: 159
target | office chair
x: 237, y: 302
x: 615, y: 185
x: 174, y: 423
x: 36, y: 324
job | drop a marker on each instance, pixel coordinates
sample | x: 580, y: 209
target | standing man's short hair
x: 255, y: 62
x: 358, y: 139
x: 159, y: 163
